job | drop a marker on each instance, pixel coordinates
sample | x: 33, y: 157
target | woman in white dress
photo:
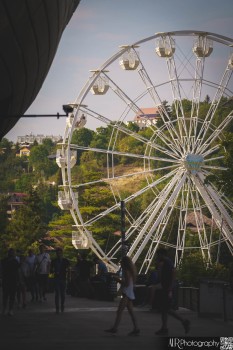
x: 127, y: 289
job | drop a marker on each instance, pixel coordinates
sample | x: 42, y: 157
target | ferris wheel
x: 156, y: 160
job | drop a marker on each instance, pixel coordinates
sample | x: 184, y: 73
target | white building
x: 149, y: 117
x: 39, y: 138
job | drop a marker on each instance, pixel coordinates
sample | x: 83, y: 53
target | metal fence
x: 189, y: 298
x: 213, y: 299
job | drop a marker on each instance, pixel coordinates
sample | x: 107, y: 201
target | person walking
x: 59, y: 266
x: 102, y: 270
x: 42, y: 268
x: 31, y: 279
x: 10, y: 280
x: 167, y: 278
x: 83, y: 269
x: 22, y: 285
x: 127, y: 289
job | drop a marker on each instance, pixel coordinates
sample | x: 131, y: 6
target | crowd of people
x: 30, y: 273
x: 20, y: 273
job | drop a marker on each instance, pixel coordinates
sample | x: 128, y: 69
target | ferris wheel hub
x: 193, y: 162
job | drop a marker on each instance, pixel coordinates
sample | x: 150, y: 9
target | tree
x: 39, y: 161
x: 82, y: 137
x: 224, y: 179
x: 192, y: 269
x: 27, y: 225
x: 60, y: 228
x: 5, y: 149
x: 207, y: 99
x: 168, y: 110
x: 133, y: 127
x: 11, y: 168
x: 3, y: 213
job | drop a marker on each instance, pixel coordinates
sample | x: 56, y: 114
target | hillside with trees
x: 39, y: 177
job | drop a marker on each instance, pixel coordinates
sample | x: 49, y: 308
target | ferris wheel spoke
x: 119, y: 177
x: 183, y: 211
x: 155, y: 240
x: 139, y: 223
x: 124, y: 154
x: 215, y: 103
x: 222, y: 197
x: 200, y: 225
x: 217, y: 132
x: 199, y: 69
x: 167, y: 142
x: 119, y: 127
x: 210, y: 151
x: 212, y: 159
x: 129, y: 198
x: 124, y: 97
x: 225, y: 201
x: 216, y: 208
x: 214, y: 167
x: 158, y: 132
x: 168, y: 198
x: 162, y: 110
x: 175, y: 85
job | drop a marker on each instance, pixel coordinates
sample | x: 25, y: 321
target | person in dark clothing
x: 152, y: 285
x: 167, y: 277
x: 59, y: 267
x: 83, y: 269
x: 102, y: 270
x: 10, y: 280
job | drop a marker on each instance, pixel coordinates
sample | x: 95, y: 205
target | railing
x: 189, y: 298
x: 212, y: 298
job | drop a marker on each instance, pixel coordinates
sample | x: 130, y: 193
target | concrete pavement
x: 82, y: 326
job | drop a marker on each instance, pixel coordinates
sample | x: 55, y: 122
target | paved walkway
x: 82, y: 326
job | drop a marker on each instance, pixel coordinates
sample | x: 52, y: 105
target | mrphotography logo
x: 194, y: 343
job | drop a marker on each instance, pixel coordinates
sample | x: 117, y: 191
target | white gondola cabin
x: 100, y: 85
x: 80, y: 123
x: 165, y: 46
x: 129, y: 60
x: 64, y: 201
x: 230, y: 62
x: 79, y: 240
x: 61, y: 158
x: 69, y: 120
x: 203, y: 46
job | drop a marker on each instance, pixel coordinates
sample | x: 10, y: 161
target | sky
x: 95, y: 32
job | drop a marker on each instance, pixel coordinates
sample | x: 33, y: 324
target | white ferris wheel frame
x: 182, y: 182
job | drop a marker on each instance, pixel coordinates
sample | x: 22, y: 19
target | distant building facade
x: 24, y: 151
x: 149, y: 116
x: 30, y: 139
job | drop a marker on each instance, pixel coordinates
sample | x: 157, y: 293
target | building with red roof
x: 149, y: 116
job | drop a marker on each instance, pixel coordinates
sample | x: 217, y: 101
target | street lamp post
x: 123, y: 245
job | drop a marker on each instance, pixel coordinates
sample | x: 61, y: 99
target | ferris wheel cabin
x: 129, y: 60
x: 203, y: 46
x: 101, y: 84
x: 165, y: 46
